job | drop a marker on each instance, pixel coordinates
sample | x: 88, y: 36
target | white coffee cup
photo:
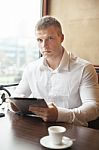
x: 56, y: 134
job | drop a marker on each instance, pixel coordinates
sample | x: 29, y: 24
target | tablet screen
x: 24, y: 103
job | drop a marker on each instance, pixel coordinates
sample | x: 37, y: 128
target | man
x: 68, y: 83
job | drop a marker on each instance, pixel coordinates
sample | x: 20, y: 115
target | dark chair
x: 3, y: 97
x: 4, y: 88
x: 95, y: 123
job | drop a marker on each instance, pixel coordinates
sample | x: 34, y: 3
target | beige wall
x: 80, y: 20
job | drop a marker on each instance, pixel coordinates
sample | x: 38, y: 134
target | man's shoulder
x: 79, y: 63
x: 34, y: 64
x: 83, y: 61
x: 78, y: 60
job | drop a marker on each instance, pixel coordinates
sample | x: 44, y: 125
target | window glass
x: 17, y: 37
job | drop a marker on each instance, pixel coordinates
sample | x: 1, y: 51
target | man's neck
x: 54, y: 62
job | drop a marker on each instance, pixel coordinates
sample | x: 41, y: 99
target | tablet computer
x: 24, y: 103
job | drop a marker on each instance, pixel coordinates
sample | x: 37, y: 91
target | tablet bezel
x: 23, y: 103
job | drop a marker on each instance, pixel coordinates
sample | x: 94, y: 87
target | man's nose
x: 44, y: 43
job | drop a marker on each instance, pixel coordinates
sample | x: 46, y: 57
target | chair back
x: 95, y: 123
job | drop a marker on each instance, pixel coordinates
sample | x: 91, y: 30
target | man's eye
x: 50, y: 38
x: 39, y: 40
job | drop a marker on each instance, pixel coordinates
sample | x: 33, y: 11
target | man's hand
x: 49, y: 114
x: 12, y: 106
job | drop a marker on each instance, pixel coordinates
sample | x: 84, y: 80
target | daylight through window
x: 17, y: 38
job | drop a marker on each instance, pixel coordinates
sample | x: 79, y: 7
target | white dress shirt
x: 72, y: 87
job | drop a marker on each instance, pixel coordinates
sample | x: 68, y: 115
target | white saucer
x: 66, y: 142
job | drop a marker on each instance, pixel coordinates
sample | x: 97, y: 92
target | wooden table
x: 24, y: 133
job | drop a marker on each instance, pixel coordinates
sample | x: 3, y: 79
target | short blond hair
x: 46, y: 22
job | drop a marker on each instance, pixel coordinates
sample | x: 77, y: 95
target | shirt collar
x: 64, y: 64
x: 43, y: 65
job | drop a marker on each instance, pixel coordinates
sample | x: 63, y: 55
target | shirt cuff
x: 65, y: 115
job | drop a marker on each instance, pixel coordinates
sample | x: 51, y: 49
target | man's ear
x: 62, y: 37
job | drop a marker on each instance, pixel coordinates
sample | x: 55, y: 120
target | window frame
x: 45, y: 7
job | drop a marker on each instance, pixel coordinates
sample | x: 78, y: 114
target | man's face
x: 49, y: 41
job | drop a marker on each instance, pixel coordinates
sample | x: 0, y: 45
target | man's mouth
x: 46, y: 51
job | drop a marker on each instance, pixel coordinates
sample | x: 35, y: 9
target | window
x: 17, y: 39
